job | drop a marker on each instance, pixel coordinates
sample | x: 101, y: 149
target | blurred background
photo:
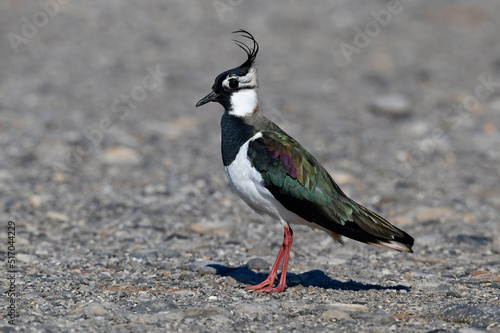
x: 379, y: 90
x: 100, y: 96
x: 102, y: 149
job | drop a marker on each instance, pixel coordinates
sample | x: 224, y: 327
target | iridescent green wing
x: 294, y: 176
x: 303, y: 186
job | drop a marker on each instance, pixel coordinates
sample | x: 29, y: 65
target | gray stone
x: 470, y: 330
x: 473, y: 240
x: 258, y: 264
x: 27, y: 258
x: 208, y: 312
x: 378, y: 317
x: 203, y: 268
x: 169, y: 253
x: 173, y: 315
x: 94, y: 308
x: 335, y: 315
x: 145, y: 253
x: 477, y: 315
x: 154, y: 306
x: 347, y: 307
x: 453, y: 294
x: 256, y: 311
x: 442, y: 287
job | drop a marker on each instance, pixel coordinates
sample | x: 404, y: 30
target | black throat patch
x: 235, y: 132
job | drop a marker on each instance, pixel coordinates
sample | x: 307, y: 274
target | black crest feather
x: 250, y: 51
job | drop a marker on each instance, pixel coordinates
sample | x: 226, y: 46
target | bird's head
x: 236, y: 89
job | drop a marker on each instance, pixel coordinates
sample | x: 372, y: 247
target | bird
x: 276, y: 176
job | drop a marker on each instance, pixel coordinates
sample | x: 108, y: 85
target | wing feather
x: 303, y: 186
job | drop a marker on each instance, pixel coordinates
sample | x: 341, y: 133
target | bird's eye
x: 233, y: 83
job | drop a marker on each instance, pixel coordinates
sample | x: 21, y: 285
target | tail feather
x: 380, y: 232
x: 394, y: 246
x: 368, y: 227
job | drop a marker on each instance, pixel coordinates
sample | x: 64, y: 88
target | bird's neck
x: 235, y: 132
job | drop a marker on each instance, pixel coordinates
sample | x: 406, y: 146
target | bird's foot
x: 267, y: 286
x: 270, y: 290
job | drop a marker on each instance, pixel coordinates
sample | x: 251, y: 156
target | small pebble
x: 36, y: 201
x: 56, y: 216
x: 121, y: 155
x: 391, y: 105
x: 477, y: 315
x: 258, y: 264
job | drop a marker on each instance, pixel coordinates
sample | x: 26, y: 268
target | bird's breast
x: 248, y: 183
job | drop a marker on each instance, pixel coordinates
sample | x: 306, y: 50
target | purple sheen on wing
x: 286, y: 160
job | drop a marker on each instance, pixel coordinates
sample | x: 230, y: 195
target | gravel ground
x: 125, y: 221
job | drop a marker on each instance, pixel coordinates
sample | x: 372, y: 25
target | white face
x: 244, y: 93
x: 248, y: 81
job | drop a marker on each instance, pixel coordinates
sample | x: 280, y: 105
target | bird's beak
x: 209, y: 98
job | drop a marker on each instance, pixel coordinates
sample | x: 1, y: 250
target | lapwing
x: 277, y: 176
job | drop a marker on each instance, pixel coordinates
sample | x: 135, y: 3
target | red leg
x: 267, y: 284
x: 287, y: 242
x: 269, y: 281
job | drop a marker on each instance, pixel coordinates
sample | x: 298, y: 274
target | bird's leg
x: 267, y: 284
x: 287, y: 243
x: 269, y: 281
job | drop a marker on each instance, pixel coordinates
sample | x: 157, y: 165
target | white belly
x: 248, y: 184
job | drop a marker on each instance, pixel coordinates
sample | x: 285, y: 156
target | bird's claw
x: 267, y: 287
